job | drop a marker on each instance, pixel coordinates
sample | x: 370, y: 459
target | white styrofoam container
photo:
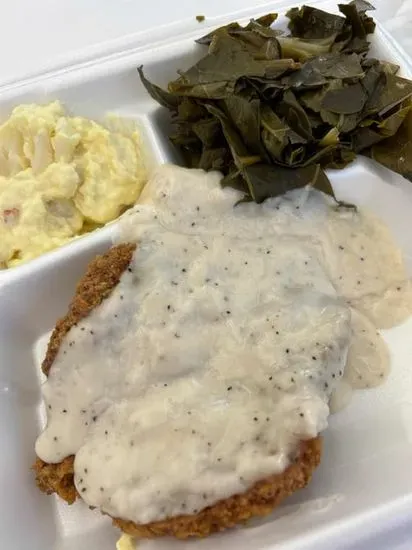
x: 361, y: 495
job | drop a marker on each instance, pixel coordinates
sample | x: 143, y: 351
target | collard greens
x: 272, y: 110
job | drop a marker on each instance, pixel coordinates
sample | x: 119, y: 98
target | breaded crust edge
x: 102, y: 275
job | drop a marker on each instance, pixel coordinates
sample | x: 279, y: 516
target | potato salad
x: 61, y: 176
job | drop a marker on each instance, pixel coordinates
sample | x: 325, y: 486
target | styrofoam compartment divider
x: 361, y: 493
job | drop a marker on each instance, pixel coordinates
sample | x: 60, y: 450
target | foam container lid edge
x: 174, y: 25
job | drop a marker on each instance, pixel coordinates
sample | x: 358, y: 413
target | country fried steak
x: 102, y: 276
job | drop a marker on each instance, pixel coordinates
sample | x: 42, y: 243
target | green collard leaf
x: 344, y: 123
x: 207, y: 130
x: 302, y: 50
x: 352, y: 38
x: 364, y: 137
x: 185, y: 137
x: 305, y: 78
x: 374, y: 81
x: 307, y: 22
x: 331, y: 138
x: 350, y: 99
x: 396, y: 152
x: 395, y: 91
x: 283, y: 144
x: 372, y: 132
x: 253, y: 41
x: 240, y: 154
x: 190, y: 110
x: 268, y: 90
x: 316, y: 72
x: 391, y: 124
x: 233, y: 139
x: 362, y: 5
x: 361, y: 24
x: 228, y: 60
x: 319, y: 128
x: 341, y: 157
x: 360, y: 46
x: 270, y: 111
x: 244, y: 112
x: 206, y: 40
x: 314, y: 100
x: 270, y: 49
x: 277, y: 68
x: 235, y: 179
x: 332, y: 156
x: 342, y: 67
x: 275, y: 133
x: 213, y: 159
x: 191, y: 158
x: 349, y: 32
x: 234, y: 28
x: 260, y: 40
x: 296, y: 117
x: 164, y: 98
x: 266, y: 180
x: 389, y: 68
x: 211, y: 78
x: 208, y: 90
x: 266, y: 20
x: 254, y: 27
x: 295, y: 155
x: 274, y: 147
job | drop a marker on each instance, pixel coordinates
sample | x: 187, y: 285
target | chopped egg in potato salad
x: 61, y: 176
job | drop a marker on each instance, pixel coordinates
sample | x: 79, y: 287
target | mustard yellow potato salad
x: 61, y: 176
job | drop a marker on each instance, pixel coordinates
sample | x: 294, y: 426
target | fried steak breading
x: 102, y: 276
